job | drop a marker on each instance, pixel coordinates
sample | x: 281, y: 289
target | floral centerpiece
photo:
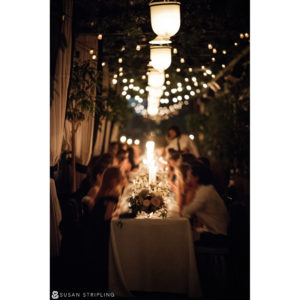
x: 147, y: 202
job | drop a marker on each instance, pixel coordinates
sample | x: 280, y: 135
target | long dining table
x: 153, y: 255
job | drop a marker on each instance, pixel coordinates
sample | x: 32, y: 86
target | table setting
x: 151, y: 246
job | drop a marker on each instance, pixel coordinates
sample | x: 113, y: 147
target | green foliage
x: 224, y: 126
x: 82, y: 91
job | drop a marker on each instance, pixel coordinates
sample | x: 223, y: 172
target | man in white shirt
x: 207, y: 205
x: 181, y: 142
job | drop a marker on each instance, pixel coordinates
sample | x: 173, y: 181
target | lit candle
x: 150, y: 161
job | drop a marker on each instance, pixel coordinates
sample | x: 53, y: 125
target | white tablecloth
x: 152, y: 255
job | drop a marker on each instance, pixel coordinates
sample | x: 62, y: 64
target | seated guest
x: 207, y: 206
x: 103, y: 162
x: 189, y: 158
x: 124, y: 164
x: 113, y: 148
x: 131, y: 158
x: 173, y: 163
x: 97, y: 237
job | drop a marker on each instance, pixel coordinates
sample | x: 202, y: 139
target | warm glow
x: 223, y: 66
x: 205, y: 85
x: 224, y: 52
x: 155, y: 92
x: 120, y: 60
x: 99, y: 36
x: 124, y: 80
x: 161, y: 57
x: 190, y: 70
x: 214, y: 50
x: 123, y: 139
x: 138, y: 48
x: 191, y: 136
x: 213, y: 59
x: 91, y: 51
x: 165, y: 18
x: 182, y: 60
x: 156, y: 78
x: 178, y: 70
x: 241, y: 35
x: 208, y: 71
x: 188, y: 87
x: 246, y: 35
x: 129, y: 141
x: 128, y: 97
x: 114, y: 81
x: 94, y: 56
x: 175, y: 51
x: 210, y: 46
x: 136, y: 142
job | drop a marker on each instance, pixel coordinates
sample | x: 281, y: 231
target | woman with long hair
x: 96, y: 248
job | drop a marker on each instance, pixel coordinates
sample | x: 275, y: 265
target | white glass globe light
x: 165, y: 18
x: 161, y: 57
x: 155, y: 92
x: 156, y: 78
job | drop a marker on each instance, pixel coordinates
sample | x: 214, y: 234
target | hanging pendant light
x: 165, y: 20
x: 155, y: 92
x: 156, y: 78
x: 161, y: 57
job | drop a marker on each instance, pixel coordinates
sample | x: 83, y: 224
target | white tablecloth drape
x: 152, y: 255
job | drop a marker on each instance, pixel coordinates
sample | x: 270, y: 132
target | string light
x: 168, y: 82
x: 179, y: 84
x: 131, y: 86
x: 182, y: 60
x: 187, y: 97
x: 167, y: 94
x: 198, y: 91
x: 123, y: 139
x: 103, y: 64
x: 121, y: 74
x: 236, y: 44
x: 124, y: 93
x: 186, y: 79
x: 203, y: 67
x: 167, y: 75
x: 125, y: 88
x: 178, y: 70
x: 136, y: 142
x: 210, y: 46
x: 179, y: 89
x: 114, y: 81
x: 188, y: 87
x: 191, y: 136
x: 213, y: 59
x: 213, y: 75
x: 179, y: 98
x: 120, y: 60
x: 194, y: 78
x: 175, y: 51
x: 123, y: 49
x: 192, y: 93
x: 144, y: 77
x: 208, y: 71
x: 163, y: 87
x: 175, y: 100
x: 91, y: 51
x: 224, y: 52
x: 246, y: 35
x: 128, y: 97
x: 204, y: 85
x: 115, y: 76
x: 121, y: 69
x: 214, y: 50
x: 204, y: 74
x: 142, y: 91
x: 131, y: 80
x: 173, y: 91
x: 99, y: 36
x: 124, y: 80
x: 195, y: 83
x: 223, y: 66
x: 138, y: 47
x: 190, y: 70
x: 129, y: 141
x: 241, y: 35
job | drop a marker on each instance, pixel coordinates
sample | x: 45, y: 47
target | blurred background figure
x: 181, y: 142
